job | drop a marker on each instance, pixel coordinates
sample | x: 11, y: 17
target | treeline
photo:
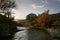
x: 42, y: 20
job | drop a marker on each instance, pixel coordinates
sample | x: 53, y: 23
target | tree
x: 6, y: 30
x: 7, y: 25
x: 30, y: 17
x: 6, y: 6
x: 43, y: 19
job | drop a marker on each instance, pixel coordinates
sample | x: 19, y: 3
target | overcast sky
x: 24, y: 7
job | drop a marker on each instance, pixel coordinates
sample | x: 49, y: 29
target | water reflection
x: 26, y: 34
x: 30, y: 34
x: 22, y: 34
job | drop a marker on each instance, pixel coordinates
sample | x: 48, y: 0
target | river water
x: 28, y: 34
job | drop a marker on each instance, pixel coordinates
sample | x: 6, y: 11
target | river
x: 30, y: 34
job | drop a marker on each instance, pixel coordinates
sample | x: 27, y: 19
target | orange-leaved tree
x: 43, y: 19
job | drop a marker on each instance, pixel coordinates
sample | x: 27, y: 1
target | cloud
x: 32, y: 3
x: 17, y: 14
x: 25, y: 6
x: 39, y: 4
x: 37, y: 7
x: 58, y: 0
x: 44, y: 1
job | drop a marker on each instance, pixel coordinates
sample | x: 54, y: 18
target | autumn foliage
x: 26, y: 24
x: 43, y: 18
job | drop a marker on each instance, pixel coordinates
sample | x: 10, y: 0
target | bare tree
x: 6, y: 6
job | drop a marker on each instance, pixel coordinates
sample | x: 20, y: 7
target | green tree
x: 30, y: 17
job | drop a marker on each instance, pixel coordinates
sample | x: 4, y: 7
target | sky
x: 25, y: 7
